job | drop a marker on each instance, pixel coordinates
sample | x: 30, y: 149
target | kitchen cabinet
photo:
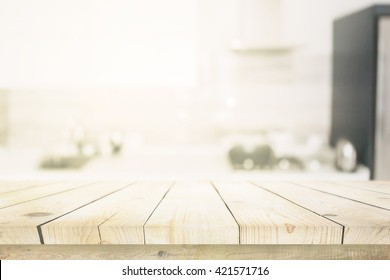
x: 260, y: 27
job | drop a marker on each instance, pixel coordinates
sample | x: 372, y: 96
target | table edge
x: 195, y: 252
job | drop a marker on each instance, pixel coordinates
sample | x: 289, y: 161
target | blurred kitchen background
x: 220, y: 89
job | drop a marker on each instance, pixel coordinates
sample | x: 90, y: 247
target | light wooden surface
x: 194, y: 213
x: 21, y: 223
x: 362, y: 223
x: 195, y: 252
x: 10, y: 186
x: 268, y: 219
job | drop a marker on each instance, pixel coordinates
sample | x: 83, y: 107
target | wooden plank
x: 195, y: 252
x: 363, y: 224
x: 116, y: 219
x: 366, y: 185
x: 127, y: 225
x: 385, y: 183
x: 376, y: 199
x: 11, y: 186
x: 265, y: 218
x: 20, y: 224
x: 24, y: 195
x: 191, y: 213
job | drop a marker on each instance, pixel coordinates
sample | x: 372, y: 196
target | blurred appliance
x: 361, y: 87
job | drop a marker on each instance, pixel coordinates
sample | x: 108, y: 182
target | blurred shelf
x: 261, y: 48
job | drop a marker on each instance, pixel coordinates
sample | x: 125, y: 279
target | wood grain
x: 20, y: 224
x: 18, y: 196
x: 369, y: 186
x: 114, y: 219
x: 192, y: 213
x: 127, y: 225
x: 366, y: 196
x: 10, y: 186
x: 265, y: 218
x: 363, y: 224
x: 195, y: 252
x: 385, y: 183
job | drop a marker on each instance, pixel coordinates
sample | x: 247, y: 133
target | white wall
x: 311, y: 20
x: 97, y: 43
x: 170, y: 61
x: 3, y: 117
x: 121, y: 43
x: 290, y: 90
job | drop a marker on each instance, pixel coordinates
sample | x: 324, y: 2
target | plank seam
x: 343, y: 226
x: 39, y: 227
x: 357, y: 187
x: 25, y: 188
x: 40, y: 235
x: 231, y: 213
x: 155, y: 208
x: 98, y: 227
x: 45, y: 196
x: 365, y: 203
x: 382, y: 183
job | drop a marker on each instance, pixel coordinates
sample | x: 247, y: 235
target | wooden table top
x: 316, y: 212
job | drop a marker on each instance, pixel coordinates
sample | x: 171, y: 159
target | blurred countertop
x: 157, y: 163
